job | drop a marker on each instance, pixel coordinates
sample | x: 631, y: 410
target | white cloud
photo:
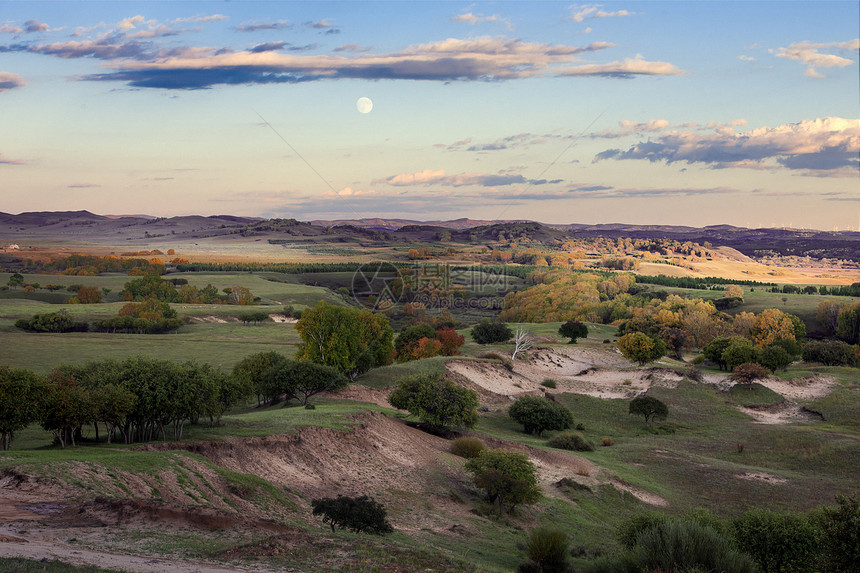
x: 814, y: 55
x: 581, y: 13
x: 826, y: 146
x: 9, y: 81
x: 130, y: 23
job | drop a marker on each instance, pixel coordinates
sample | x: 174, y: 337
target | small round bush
x: 607, y: 442
x: 310, y: 407
x: 549, y: 383
x: 699, y: 359
x: 571, y: 441
x: 467, y: 447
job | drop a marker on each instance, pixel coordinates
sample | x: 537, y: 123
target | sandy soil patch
x: 762, y: 477
x: 576, y: 369
x: 213, y: 319
x: 283, y: 318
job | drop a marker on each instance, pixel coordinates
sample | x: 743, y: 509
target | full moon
x: 364, y: 104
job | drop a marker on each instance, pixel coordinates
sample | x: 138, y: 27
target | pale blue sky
x: 691, y: 113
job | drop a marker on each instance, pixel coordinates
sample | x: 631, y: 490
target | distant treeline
x: 703, y: 283
x: 290, y: 268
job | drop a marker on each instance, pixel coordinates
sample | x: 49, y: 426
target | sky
x: 644, y: 112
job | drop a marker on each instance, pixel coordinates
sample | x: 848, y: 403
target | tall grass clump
x: 571, y: 441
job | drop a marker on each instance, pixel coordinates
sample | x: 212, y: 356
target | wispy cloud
x: 823, y: 146
x: 268, y: 47
x: 325, y: 25
x: 581, y: 13
x: 627, y: 128
x: 819, y: 55
x: 83, y: 185
x: 5, y: 161
x: 256, y: 26
x: 9, y: 81
x: 202, y: 18
x: 29, y: 27
x: 438, y: 177
x: 475, y: 19
x: 478, y: 59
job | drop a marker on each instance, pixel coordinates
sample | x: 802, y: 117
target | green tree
x: 350, y: 340
x: 649, y: 407
x: 354, y: 513
x: 829, y: 353
x: 486, y: 332
x: 641, y: 348
x: 840, y: 527
x: 67, y: 407
x: 508, y: 478
x: 848, y: 323
x: 16, y: 280
x: 302, y: 380
x: 573, y: 329
x: 713, y: 350
x: 408, y: 339
x: 251, y: 370
x: 20, y: 395
x: 436, y: 400
x: 739, y: 351
x: 774, y: 357
x: 538, y: 414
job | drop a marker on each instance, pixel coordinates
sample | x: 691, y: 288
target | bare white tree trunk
x: 522, y: 341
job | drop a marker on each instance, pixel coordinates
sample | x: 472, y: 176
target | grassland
x: 708, y: 453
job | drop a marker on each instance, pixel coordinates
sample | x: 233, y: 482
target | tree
x: 251, y: 370
x: 739, y: 351
x: 748, y: 373
x: 354, y: 513
x: 451, y: 341
x: 301, y: 380
x: 408, y: 339
x: 713, y: 350
x: 848, y: 323
x: 508, y: 478
x: 840, y: 526
x: 240, y: 295
x: 641, y: 348
x: 87, y: 295
x: 67, y: 407
x: 352, y: 341
x: 522, y: 342
x: 437, y: 400
x: 573, y: 329
x: 774, y: 357
x: 649, y: 407
x: 20, y: 396
x: 734, y: 291
x: 486, y: 332
x: 16, y: 280
x: 538, y: 414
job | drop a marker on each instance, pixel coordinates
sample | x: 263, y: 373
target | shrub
x: 685, y: 545
x: 47, y: 322
x: 549, y: 383
x: 641, y: 348
x: 785, y: 542
x: 699, y: 359
x: 630, y: 529
x: 355, y: 513
x: 508, y: 478
x: 648, y: 407
x: 437, y: 400
x: 840, y: 527
x: 538, y: 414
x: 571, y: 441
x: 739, y: 351
x: 467, y: 447
x: 547, y: 548
x: 829, y: 353
x: 486, y: 332
x: 607, y: 442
